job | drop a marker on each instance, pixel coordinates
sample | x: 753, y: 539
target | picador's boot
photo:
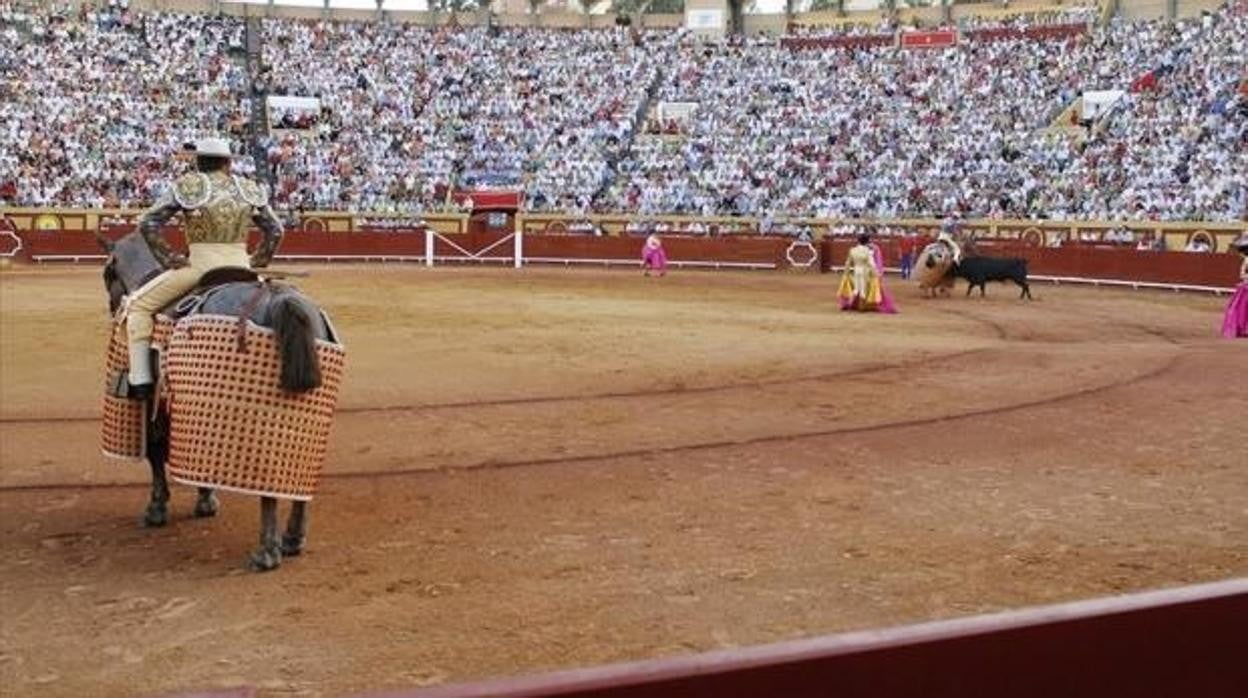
x: 140, y: 387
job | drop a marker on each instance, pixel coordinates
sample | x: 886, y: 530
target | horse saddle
x: 209, y: 283
x: 212, y: 282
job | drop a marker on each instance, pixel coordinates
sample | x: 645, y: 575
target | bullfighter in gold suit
x: 217, y: 210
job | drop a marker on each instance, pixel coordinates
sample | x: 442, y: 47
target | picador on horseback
x: 218, y: 209
x: 244, y: 392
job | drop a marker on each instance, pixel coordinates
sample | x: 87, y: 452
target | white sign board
x: 676, y: 111
x: 1096, y: 103
x: 704, y: 20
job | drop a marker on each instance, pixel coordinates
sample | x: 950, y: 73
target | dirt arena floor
x: 546, y: 468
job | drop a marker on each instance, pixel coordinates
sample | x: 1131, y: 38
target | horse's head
x: 935, y: 263
x: 130, y: 264
x: 936, y: 255
x: 113, y: 284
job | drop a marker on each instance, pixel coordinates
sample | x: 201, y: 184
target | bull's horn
x: 104, y: 242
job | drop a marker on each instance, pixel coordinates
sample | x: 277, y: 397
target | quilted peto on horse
x: 232, y: 427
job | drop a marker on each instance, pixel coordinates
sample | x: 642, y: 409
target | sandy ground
x: 547, y: 468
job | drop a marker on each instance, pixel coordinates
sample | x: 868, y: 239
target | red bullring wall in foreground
x: 743, y: 251
x: 1187, y: 641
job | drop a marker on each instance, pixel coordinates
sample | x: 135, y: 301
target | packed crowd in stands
x: 885, y: 132
x: 94, y: 100
x: 1177, y: 147
x: 888, y: 23
x: 409, y: 112
x: 412, y: 108
x: 1072, y: 13
x: 370, y: 145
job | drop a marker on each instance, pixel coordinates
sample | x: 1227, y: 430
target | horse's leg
x: 296, y: 529
x: 269, y: 555
x: 157, y: 512
x: 207, y: 504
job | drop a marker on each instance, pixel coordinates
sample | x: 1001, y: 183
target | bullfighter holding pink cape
x: 886, y: 299
x: 1235, y: 321
x: 653, y: 258
x: 862, y: 283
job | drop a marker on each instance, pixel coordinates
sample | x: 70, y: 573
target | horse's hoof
x: 292, y: 546
x: 264, y: 560
x: 155, y: 516
x: 205, y: 507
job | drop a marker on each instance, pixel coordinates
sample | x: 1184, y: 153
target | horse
x: 297, y: 323
x: 932, y: 269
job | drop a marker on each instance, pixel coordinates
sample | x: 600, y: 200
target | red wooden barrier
x: 48, y: 245
x: 1188, y: 641
x: 1072, y: 261
x: 53, y: 245
x: 729, y: 250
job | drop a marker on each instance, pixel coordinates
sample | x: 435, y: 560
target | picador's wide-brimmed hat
x: 213, y: 147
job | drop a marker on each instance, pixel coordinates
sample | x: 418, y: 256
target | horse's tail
x: 296, y: 338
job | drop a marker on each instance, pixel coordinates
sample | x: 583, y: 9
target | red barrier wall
x: 1089, y: 262
x: 52, y: 244
x: 48, y: 245
x: 1177, y: 642
x: 737, y: 249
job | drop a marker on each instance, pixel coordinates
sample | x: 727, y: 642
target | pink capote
x: 886, y: 299
x: 1235, y: 321
x: 653, y: 257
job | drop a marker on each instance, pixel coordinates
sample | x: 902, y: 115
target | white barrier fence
x: 482, y: 255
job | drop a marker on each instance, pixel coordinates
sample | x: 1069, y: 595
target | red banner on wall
x: 936, y: 38
x: 488, y: 200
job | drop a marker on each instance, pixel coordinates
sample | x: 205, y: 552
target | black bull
x: 980, y: 270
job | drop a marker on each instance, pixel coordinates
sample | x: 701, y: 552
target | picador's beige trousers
x: 165, y: 289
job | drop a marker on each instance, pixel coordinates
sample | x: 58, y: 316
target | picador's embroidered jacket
x: 219, y: 209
